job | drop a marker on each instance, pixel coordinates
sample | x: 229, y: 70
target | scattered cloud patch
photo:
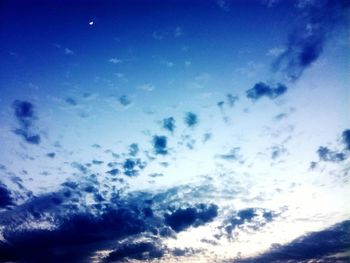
x: 5, y: 196
x: 275, y: 52
x: 191, y: 119
x: 114, y: 60
x: 157, y: 36
x: 183, y: 218
x: 250, y: 217
x: 169, y: 124
x: 160, y: 144
x: 262, y: 89
x: 317, y: 20
x: 231, y: 100
x: 328, y: 155
x: 346, y: 139
x: 328, y: 245
x: 133, y: 149
x: 178, y: 32
x: 147, y: 87
x: 224, y: 5
x: 24, y: 113
x: 144, y: 250
x: 124, y: 100
x: 68, y: 51
x: 71, y: 101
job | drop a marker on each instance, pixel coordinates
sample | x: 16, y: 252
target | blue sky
x: 174, y: 130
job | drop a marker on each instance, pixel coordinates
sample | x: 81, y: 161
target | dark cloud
x: 160, y: 144
x: 132, y: 166
x: 5, y: 196
x: 133, y: 149
x: 232, y: 155
x: 124, y: 100
x: 78, y: 228
x: 262, y: 89
x: 97, y: 162
x: 24, y: 113
x: 183, y: 218
x: 71, y: 101
x: 28, y: 137
x: 251, y: 217
x: 69, y: 241
x: 280, y: 116
x: 323, y: 246
x: 327, y: 155
x: 231, y: 99
x: 346, y: 139
x: 191, y: 119
x: 169, y: 124
x: 277, y: 152
x: 144, y: 251
x: 113, y: 171
x: 316, y: 22
x: 51, y: 155
x: 80, y: 167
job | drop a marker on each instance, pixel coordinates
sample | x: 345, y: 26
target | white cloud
x: 275, y: 52
x: 68, y: 51
x: 114, y: 60
x: 224, y: 5
x: 178, y: 32
x: 200, y: 81
x: 147, y: 87
x: 169, y: 64
x: 157, y: 35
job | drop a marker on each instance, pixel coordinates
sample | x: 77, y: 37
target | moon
x: 91, y: 23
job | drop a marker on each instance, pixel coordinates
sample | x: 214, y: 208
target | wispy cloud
x: 114, y: 60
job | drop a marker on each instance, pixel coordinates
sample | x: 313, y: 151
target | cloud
x: 224, y: 5
x: 232, y: 155
x: 147, y: 87
x: 157, y: 36
x: 178, y: 32
x: 133, y: 149
x: 144, y: 250
x: 327, y: 155
x: 322, y: 246
x: 250, y: 217
x: 262, y: 89
x: 169, y: 64
x: 346, y: 139
x: 231, y: 100
x: 71, y: 101
x: 68, y: 51
x: 69, y: 241
x: 24, y: 113
x: 160, y: 144
x: 114, y: 60
x: 191, y: 119
x: 200, y: 81
x: 51, y: 155
x: 169, y: 124
x: 183, y: 218
x: 5, y: 196
x: 132, y: 166
x: 306, y: 42
x: 275, y: 52
x: 124, y: 100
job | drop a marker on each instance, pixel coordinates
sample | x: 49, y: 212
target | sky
x: 174, y: 131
